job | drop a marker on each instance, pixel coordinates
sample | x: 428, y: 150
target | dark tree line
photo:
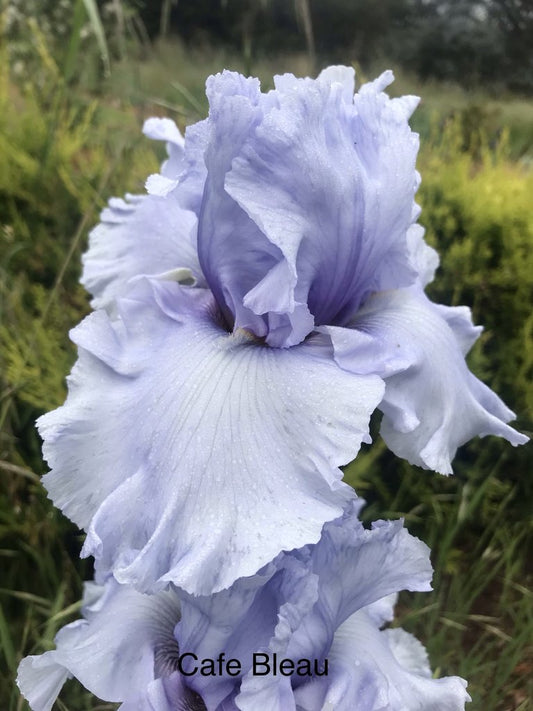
x: 468, y: 41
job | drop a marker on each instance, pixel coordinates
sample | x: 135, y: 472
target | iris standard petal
x: 195, y: 456
x: 357, y: 567
x: 288, y: 187
x: 164, y: 129
x: 330, y: 180
x: 294, y: 606
x: 140, y: 235
x: 353, y: 568
x: 243, y: 620
x: 432, y: 402
x: 233, y: 252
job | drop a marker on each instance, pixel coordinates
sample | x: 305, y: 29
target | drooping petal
x: 432, y: 402
x: 139, y: 235
x: 373, y: 670
x: 195, y: 456
x: 124, y: 643
x: 40, y: 679
x: 313, y: 177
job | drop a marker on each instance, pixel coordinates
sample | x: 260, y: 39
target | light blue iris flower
x: 253, y: 311
x: 323, y: 602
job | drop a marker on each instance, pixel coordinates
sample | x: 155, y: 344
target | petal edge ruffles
x: 195, y: 456
x: 432, y: 402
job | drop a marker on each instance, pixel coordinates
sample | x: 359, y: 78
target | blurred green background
x: 77, y: 78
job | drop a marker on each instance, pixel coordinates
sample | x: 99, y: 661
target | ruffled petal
x: 233, y: 252
x: 40, y: 679
x: 164, y: 129
x: 423, y: 258
x: 288, y: 187
x: 312, y: 177
x: 370, y: 672
x: 357, y: 567
x: 195, y: 456
x: 124, y: 643
x: 294, y: 606
x: 432, y: 402
x: 139, y: 235
x: 255, y: 615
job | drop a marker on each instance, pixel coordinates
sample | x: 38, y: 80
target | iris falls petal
x: 432, y: 402
x: 195, y: 456
x: 123, y: 650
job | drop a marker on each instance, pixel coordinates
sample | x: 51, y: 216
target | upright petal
x: 294, y: 606
x: 233, y: 252
x: 195, y: 456
x: 330, y: 180
x: 140, y: 235
x: 164, y: 129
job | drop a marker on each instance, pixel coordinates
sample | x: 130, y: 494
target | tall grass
x: 62, y: 154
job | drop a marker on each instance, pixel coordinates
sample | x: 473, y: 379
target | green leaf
x: 98, y: 29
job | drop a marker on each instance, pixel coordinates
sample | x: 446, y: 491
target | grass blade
x: 98, y: 29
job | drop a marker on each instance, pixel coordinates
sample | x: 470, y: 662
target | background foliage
x: 71, y: 105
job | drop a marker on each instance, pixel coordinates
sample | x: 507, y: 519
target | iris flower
x: 253, y: 310
x: 323, y: 602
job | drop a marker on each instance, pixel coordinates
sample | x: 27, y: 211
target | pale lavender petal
x: 166, y: 694
x: 139, y: 235
x: 409, y: 651
x: 313, y: 177
x: 432, y: 402
x: 246, y: 619
x: 123, y: 644
x: 160, y: 186
x: 357, y: 567
x: 294, y: 606
x: 366, y: 674
x: 176, y: 431
x: 164, y: 129
x: 233, y: 252
x: 382, y: 611
x: 424, y: 259
x: 192, y: 179
x: 40, y: 679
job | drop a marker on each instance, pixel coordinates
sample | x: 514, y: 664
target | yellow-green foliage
x: 61, y: 157
x: 478, y: 212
